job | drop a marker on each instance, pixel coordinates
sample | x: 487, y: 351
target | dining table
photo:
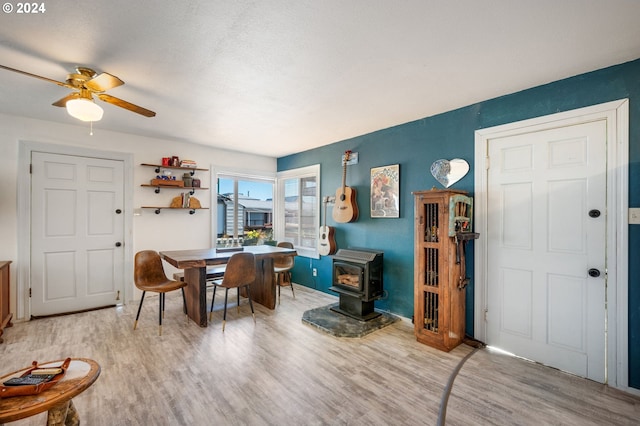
x: 195, y: 263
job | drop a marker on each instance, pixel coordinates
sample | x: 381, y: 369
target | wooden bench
x: 213, y: 273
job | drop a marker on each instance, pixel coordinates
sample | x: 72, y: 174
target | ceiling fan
x: 86, y: 82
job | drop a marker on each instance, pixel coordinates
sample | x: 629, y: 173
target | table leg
x: 263, y: 289
x: 196, y: 294
x: 63, y: 414
x: 73, y: 418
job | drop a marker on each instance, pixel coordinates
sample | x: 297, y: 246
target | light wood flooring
x: 281, y: 371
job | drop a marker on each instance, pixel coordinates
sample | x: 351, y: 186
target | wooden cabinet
x: 174, y: 184
x: 439, y: 294
x: 5, y: 299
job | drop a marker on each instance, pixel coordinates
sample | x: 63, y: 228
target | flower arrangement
x: 259, y: 236
x: 254, y: 234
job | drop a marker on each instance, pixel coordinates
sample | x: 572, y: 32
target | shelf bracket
x: 157, y: 190
x: 157, y: 169
x: 192, y: 211
x: 157, y: 211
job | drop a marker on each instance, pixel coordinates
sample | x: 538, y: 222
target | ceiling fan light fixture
x: 84, y: 109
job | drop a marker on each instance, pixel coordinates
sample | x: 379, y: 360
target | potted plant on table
x: 257, y: 237
x: 251, y: 238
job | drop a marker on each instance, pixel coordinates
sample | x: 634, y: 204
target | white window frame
x: 278, y: 214
x: 239, y: 174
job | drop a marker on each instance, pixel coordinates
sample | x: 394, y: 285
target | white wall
x: 170, y: 230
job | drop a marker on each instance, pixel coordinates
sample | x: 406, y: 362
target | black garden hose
x: 442, y: 413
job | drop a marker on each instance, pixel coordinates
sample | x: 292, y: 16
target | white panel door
x: 77, y: 229
x: 542, y: 241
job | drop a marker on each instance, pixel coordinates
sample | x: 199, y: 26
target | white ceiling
x: 277, y: 77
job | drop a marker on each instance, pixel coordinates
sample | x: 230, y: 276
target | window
x: 244, y: 203
x: 297, y: 207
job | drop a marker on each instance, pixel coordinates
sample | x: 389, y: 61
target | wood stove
x: 357, y: 278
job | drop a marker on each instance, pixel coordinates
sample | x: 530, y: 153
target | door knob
x: 118, y: 244
x: 593, y: 272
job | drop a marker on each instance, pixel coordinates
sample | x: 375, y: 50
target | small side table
x: 81, y: 374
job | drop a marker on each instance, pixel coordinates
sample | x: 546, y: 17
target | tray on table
x: 7, y: 391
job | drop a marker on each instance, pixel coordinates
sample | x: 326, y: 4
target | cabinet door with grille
x: 438, y: 298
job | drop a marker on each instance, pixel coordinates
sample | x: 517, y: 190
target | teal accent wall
x: 417, y: 144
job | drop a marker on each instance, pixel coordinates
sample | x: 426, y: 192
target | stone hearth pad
x: 340, y: 325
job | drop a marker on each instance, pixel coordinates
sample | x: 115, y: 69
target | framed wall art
x: 385, y: 191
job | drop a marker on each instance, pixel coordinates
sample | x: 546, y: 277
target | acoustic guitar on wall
x: 345, y: 209
x: 327, y: 242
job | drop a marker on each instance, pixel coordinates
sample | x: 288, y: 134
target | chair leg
x: 291, y: 285
x: 184, y: 305
x: 224, y: 315
x: 213, y: 299
x: 250, y: 303
x: 278, y: 285
x: 135, y: 323
x: 162, y: 300
x: 161, y: 314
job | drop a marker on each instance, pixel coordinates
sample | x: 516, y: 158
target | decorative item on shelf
x: 188, y: 163
x: 187, y: 179
x: 176, y: 202
x: 195, y: 182
x: 448, y: 172
x: 166, y: 181
x: 194, y: 203
x: 185, y: 201
x: 175, y: 161
x: 166, y: 161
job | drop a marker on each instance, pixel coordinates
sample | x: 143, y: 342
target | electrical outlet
x: 314, y: 272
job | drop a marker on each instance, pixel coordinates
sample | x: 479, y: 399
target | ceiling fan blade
x: 59, y: 83
x: 126, y: 105
x: 63, y: 102
x: 103, y: 82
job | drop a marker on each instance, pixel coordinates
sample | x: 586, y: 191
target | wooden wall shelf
x: 159, y: 209
x: 191, y: 170
x: 190, y: 189
x: 172, y: 184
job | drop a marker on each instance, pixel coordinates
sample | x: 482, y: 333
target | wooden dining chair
x: 240, y: 272
x: 149, y: 275
x: 282, y: 267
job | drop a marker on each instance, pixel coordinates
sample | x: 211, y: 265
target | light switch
x: 634, y: 216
